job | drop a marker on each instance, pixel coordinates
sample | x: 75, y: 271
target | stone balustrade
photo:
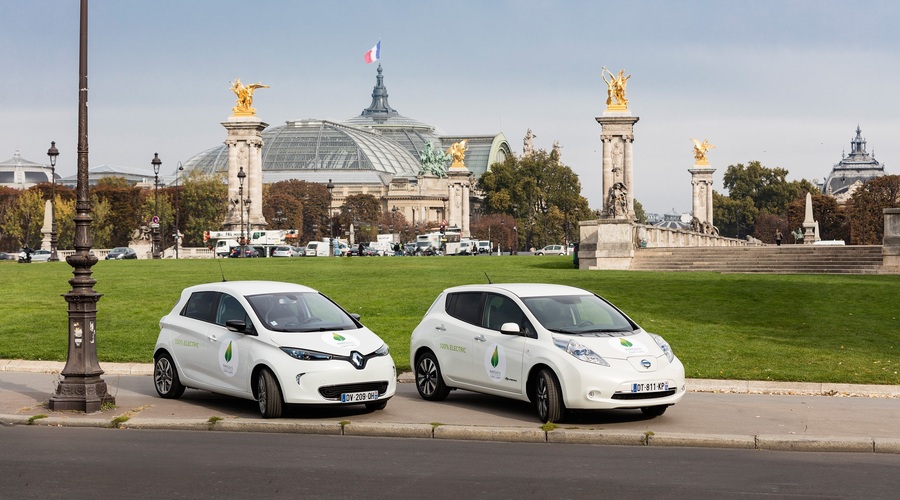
x: 663, y: 237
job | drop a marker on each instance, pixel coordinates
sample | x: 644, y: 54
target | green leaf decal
x: 337, y: 337
x: 228, y: 353
x: 495, y: 358
x: 625, y: 343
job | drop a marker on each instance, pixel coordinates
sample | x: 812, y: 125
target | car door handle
x: 441, y: 328
x: 480, y: 338
x: 212, y: 338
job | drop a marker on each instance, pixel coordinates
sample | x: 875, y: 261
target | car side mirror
x: 510, y: 329
x: 354, y: 316
x: 238, y: 325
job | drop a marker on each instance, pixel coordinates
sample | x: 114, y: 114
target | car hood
x: 617, y: 347
x: 341, y: 342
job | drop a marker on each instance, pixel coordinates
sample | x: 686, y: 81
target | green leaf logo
x: 495, y: 358
x: 228, y: 353
x: 625, y: 343
x: 337, y: 337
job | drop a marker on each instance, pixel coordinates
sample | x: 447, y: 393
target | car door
x: 454, y: 335
x: 190, y: 344
x: 497, y: 358
x: 228, y: 356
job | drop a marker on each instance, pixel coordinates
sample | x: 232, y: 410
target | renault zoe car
x: 556, y: 346
x: 276, y: 343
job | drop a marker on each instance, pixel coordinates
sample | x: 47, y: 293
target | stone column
x: 701, y: 196
x: 244, y: 141
x: 617, y: 136
x: 810, y: 234
x: 890, y: 248
x: 459, y: 181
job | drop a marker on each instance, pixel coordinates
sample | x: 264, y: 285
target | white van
x: 484, y: 247
x: 318, y: 249
x: 223, y: 247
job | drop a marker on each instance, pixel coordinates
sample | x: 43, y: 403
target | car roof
x: 522, y: 289
x: 249, y: 287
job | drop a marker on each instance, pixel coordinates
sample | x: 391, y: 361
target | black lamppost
x: 330, y: 188
x: 241, y: 176
x: 81, y: 388
x: 177, y: 208
x: 515, y: 247
x: 53, y: 153
x: 154, y: 222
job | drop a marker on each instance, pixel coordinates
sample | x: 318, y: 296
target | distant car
x: 275, y: 343
x: 248, y: 252
x: 552, y: 250
x: 121, y: 253
x: 40, y: 256
x: 283, y: 251
x: 8, y: 256
x: 484, y: 247
x: 557, y: 346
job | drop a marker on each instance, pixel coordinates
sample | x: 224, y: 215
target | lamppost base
x: 81, y: 393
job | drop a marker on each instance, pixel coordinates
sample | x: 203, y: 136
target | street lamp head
x: 241, y: 176
x: 156, y: 162
x: 53, y: 153
x: 329, y: 186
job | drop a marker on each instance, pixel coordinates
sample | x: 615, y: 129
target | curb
x: 771, y: 442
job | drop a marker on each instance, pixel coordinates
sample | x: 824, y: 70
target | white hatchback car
x: 557, y: 346
x: 276, y: 343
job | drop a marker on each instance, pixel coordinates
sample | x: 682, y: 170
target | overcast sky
x: 782, y: 82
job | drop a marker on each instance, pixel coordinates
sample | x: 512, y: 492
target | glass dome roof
x: 319, y: 145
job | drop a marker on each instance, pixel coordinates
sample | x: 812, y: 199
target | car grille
x: 643, y: 395
x: 334, y: 391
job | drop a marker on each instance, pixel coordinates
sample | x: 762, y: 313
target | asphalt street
x: 714, y: 413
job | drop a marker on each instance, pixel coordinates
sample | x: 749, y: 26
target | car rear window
x: 201, y: 306
x: 465, y: 306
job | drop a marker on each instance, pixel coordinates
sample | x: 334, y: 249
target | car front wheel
x: 429, y: 382
x: 268, y: 394
x: 548, y: 398
x: 165, y: 378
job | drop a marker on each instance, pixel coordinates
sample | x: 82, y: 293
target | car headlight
x: 666, y: 348
x: 384, y: 350
x: 306, y: 355
x: 578, y: 350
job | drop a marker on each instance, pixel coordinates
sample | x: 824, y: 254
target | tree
x: 767, y: 188
x: 527, y: 188
x: 865, y: 209
x: 283, y: 211
x: 640, y: 216
x: 314, y: 202
x: 24, y: 218
x: 124, y: 215
x: 359, y: 210
x: 207, y: 197
x: 734, y: 218
x: 765, y: 227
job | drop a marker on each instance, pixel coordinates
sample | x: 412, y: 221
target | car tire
x: 548, y: 397
x: 654, y: 411
x: 165, y: 377
x: 377, y: 405
x: 429, y: 381
x: 268, y: 394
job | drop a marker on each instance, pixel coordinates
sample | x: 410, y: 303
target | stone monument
x: 701, y: 184
x: 460, y: 180
x: 617, y: 136
x: 244, y: 141
x: 890, y: 249
x: 47, y: 228
x: 810, y: 226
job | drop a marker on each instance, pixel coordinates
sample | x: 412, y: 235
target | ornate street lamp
x: 330, y: 188
x: 177, y: 208
x: 154, y: 222
x: 81, y: 388
x: 53, y: 153
x: 241, y: 176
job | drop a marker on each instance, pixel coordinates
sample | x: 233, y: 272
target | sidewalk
x: 715, y: 413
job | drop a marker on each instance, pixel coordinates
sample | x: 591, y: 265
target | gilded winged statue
x: 244, y: 95
x: 700, y: 149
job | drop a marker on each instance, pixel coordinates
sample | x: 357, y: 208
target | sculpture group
x: 244, y: 95
x: 616, y: 87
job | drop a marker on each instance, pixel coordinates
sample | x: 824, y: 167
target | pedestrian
x: 777, y: 237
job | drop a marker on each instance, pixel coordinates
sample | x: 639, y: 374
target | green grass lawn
x: 815, y: 328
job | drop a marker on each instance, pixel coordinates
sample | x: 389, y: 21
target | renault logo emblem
x: 646, y: 363
x: 357, y: 359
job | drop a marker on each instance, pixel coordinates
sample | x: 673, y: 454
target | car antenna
x: 222, y: 271
x: 489, y: 278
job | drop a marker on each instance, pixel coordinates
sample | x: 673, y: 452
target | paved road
x: 732, y: 419
x: 48, y: 462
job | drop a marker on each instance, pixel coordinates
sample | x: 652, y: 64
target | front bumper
x: 322, y: 382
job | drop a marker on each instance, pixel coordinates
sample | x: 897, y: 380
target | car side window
x: 499, y: 309
x: 201, y: 306
x: 229, y: 308
x: 465, y: 306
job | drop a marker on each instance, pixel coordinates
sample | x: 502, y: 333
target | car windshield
x: 118, y: 250
x: 300, y: 312
x: 579, y: 315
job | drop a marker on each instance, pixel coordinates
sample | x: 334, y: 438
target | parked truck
x: 263, y: 240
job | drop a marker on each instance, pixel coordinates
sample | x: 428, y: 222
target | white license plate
x: 359, y: 397
x: 650, y: 387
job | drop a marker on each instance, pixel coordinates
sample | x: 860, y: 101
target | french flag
x: 374, y: 53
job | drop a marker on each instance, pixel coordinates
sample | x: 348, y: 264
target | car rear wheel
x: 268, y: 394
x: 548, y: 398
x: 429, y: 382
x: 654, y: 411
x: 165, y: 378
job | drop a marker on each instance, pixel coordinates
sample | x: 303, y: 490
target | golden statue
x: 244, y: 95
x: 700, y: 149
x: 616, y: 89
x: 457, y: 152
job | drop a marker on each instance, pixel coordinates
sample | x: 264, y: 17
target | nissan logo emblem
x: 646, y: 363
